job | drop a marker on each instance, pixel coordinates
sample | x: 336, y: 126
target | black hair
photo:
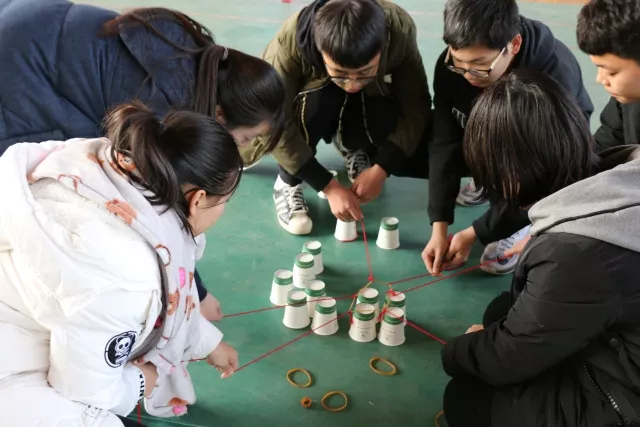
x: 184, y: 152
x: 527, y: 138
x: 488, y: 23
x: 248, y: 89
x: 610, y: 27
x: 351, y: 32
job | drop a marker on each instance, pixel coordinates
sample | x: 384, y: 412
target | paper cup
x: 363, y: 328
x: 314, y: 248
x: 389, y: 234
x: 392, y: 327
x: 296, y: 315
x: 327, y: 315
x: 281, y: 285
x: 315, y: 290
x: 346, y: 231
x: 370, y: 296
x: 335, y: 176
x: 397, y: 299
x: 303, y: 270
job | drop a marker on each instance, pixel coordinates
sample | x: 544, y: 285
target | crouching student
x: 353, y: 74
x: 609, y: 32
x: 485, y: 39
x: 98, y: 244
x: 561, y: 349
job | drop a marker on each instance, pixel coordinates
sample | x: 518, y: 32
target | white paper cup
x: 296, y: 314
x: 399, y: 300
x: 389, y: 234
x: 363, y: 328
x: 314, y: 248
x: 392, y: 327
x: 315, y: 290
x: 346, y: 231
x: 281, y: 285
x: 321, y: 194
x: 370, y: 296
x: 303, y: 270
x: 327, y: 315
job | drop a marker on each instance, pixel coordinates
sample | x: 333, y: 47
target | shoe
x: 291, y: 208
x: 493, y: 261
x: 356, y: 162
x: 470, y: 196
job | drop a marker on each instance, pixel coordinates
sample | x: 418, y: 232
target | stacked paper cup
x: 397, y: 299
x: 392, y: 327
x: 325, y: 318
x: 315, y: 290
x: 315, y: 248
x: 363, y: 328
x: 370, y: 296
x: 281, y: 285
x: 296, y: 314
x: 303, y: 270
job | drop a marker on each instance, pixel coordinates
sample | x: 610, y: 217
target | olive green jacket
x: 401, y: 76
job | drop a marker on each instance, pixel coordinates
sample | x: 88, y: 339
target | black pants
x: 467, y: 400
x: 322, y: 112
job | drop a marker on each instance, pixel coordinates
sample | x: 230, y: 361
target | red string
x: 288, y: 343
x: 418, y: 328
x: 283, y: 306
x: 366, y: 248
x: 409, y: 279
x: 139, y: 414
x: 460, y: 273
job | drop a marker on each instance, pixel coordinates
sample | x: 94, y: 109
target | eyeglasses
x: 361, y: 80
x: 476, y: 73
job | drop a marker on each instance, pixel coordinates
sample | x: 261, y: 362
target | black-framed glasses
x: 448, y: 61
x: 361, y: 80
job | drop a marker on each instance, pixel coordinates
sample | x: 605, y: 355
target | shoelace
x: 296, y: 199
x: 357, y: 161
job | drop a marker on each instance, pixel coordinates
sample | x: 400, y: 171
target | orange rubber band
x: 306, y: 402
x: 293, y: 383
x: 393, y: 367
x: 333, y: 393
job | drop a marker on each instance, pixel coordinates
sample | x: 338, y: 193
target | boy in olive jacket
x: 354, y: 76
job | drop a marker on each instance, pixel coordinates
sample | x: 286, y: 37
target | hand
x: 517, y: 248
x: 433, y: 254
x: 224, y: 358
x: 344, y: 204
x: 460, y: 248
x: 474, y: 328
x: 210, y: 308
x: 369, y: 183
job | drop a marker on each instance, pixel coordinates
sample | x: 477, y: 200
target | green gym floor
x: 247, y: 246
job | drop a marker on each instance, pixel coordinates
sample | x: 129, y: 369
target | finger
x: 437, y: 263
x: 428, y: 262
x: 355, y: 212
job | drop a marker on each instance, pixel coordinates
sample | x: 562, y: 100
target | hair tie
x: 225, y: 54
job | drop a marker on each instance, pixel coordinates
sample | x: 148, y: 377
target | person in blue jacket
x: 64, y: 66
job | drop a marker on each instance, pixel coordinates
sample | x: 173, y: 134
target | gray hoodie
x: 605, y: 207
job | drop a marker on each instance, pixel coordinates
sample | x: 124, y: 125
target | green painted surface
x: 247, y: 246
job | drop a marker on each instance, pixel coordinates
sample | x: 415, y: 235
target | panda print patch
x: 118, y: 349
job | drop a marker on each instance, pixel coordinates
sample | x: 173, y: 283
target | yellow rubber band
x: 293, y: 383
x: 440, y: 414
x: 333, y: 393
x: 393, y: 367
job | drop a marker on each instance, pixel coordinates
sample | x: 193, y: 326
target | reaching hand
x: 460, y: 248
x: 517, y: 248
x: 368, y: 185
x: 224, y: 358
x: 434, y: 253
x: 474, y: 328
x: 344, y: 204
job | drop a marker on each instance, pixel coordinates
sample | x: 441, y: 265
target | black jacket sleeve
x: 565, y: 303
x: 500, y: 222
x: 446, y: 161
x: 611, y: 130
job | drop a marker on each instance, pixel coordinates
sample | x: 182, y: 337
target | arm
x: 499, y: 222
x: 446, y: 161
x: 410, y: 87
x: 293, y: 152
x: 562, y: 308
x: 89, y: 351
x: 611, y: 130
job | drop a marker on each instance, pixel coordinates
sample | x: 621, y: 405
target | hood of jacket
x: 605, y: 207
x: 305, y: 37
x: 538, y: 45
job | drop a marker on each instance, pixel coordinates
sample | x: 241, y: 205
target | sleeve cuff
x: 314, y: 174
x: 481, y: 230
x: 133, y: 385
x: 441, y: 215
x: 209, y: 338
x: 390, y: 157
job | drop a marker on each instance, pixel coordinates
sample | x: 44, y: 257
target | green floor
x: 247, y: 246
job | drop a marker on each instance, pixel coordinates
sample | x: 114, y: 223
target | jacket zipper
x: 303, y: 107
x: 604, y: 392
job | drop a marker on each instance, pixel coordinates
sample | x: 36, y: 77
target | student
x: 99, y: 243
x: 65, y: 65
x: 485, y: 39
x: 353, y: 74
x: 609, y: 32
x: 565, y: 354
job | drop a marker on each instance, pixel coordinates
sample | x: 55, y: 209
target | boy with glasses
x: 354, y: 76
x: 485, y: 39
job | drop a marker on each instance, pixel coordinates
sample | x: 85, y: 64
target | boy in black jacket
x: 485, y: 39
x: 610, y: 33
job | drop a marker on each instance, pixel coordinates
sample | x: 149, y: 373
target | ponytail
x: 185, y: 149
x: 205, y: 98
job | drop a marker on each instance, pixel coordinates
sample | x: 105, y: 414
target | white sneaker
x: 291, y: 208
x: 469, y: 195
x: 493, y: 260
x: 356, y: 162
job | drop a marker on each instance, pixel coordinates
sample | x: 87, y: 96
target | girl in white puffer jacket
x: 98, y: 244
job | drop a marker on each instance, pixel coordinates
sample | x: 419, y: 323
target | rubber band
x: 306, y: 402
x: 440, y: 414
x: 295, y: 384
x: 333, y: 393
x: 393, y: 367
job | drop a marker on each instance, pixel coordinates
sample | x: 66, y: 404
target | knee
x: 453, y: 396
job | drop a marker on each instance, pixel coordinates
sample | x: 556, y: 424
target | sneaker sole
x: 287, y: 227
x: 463, y: 202
x: 495, y: 272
